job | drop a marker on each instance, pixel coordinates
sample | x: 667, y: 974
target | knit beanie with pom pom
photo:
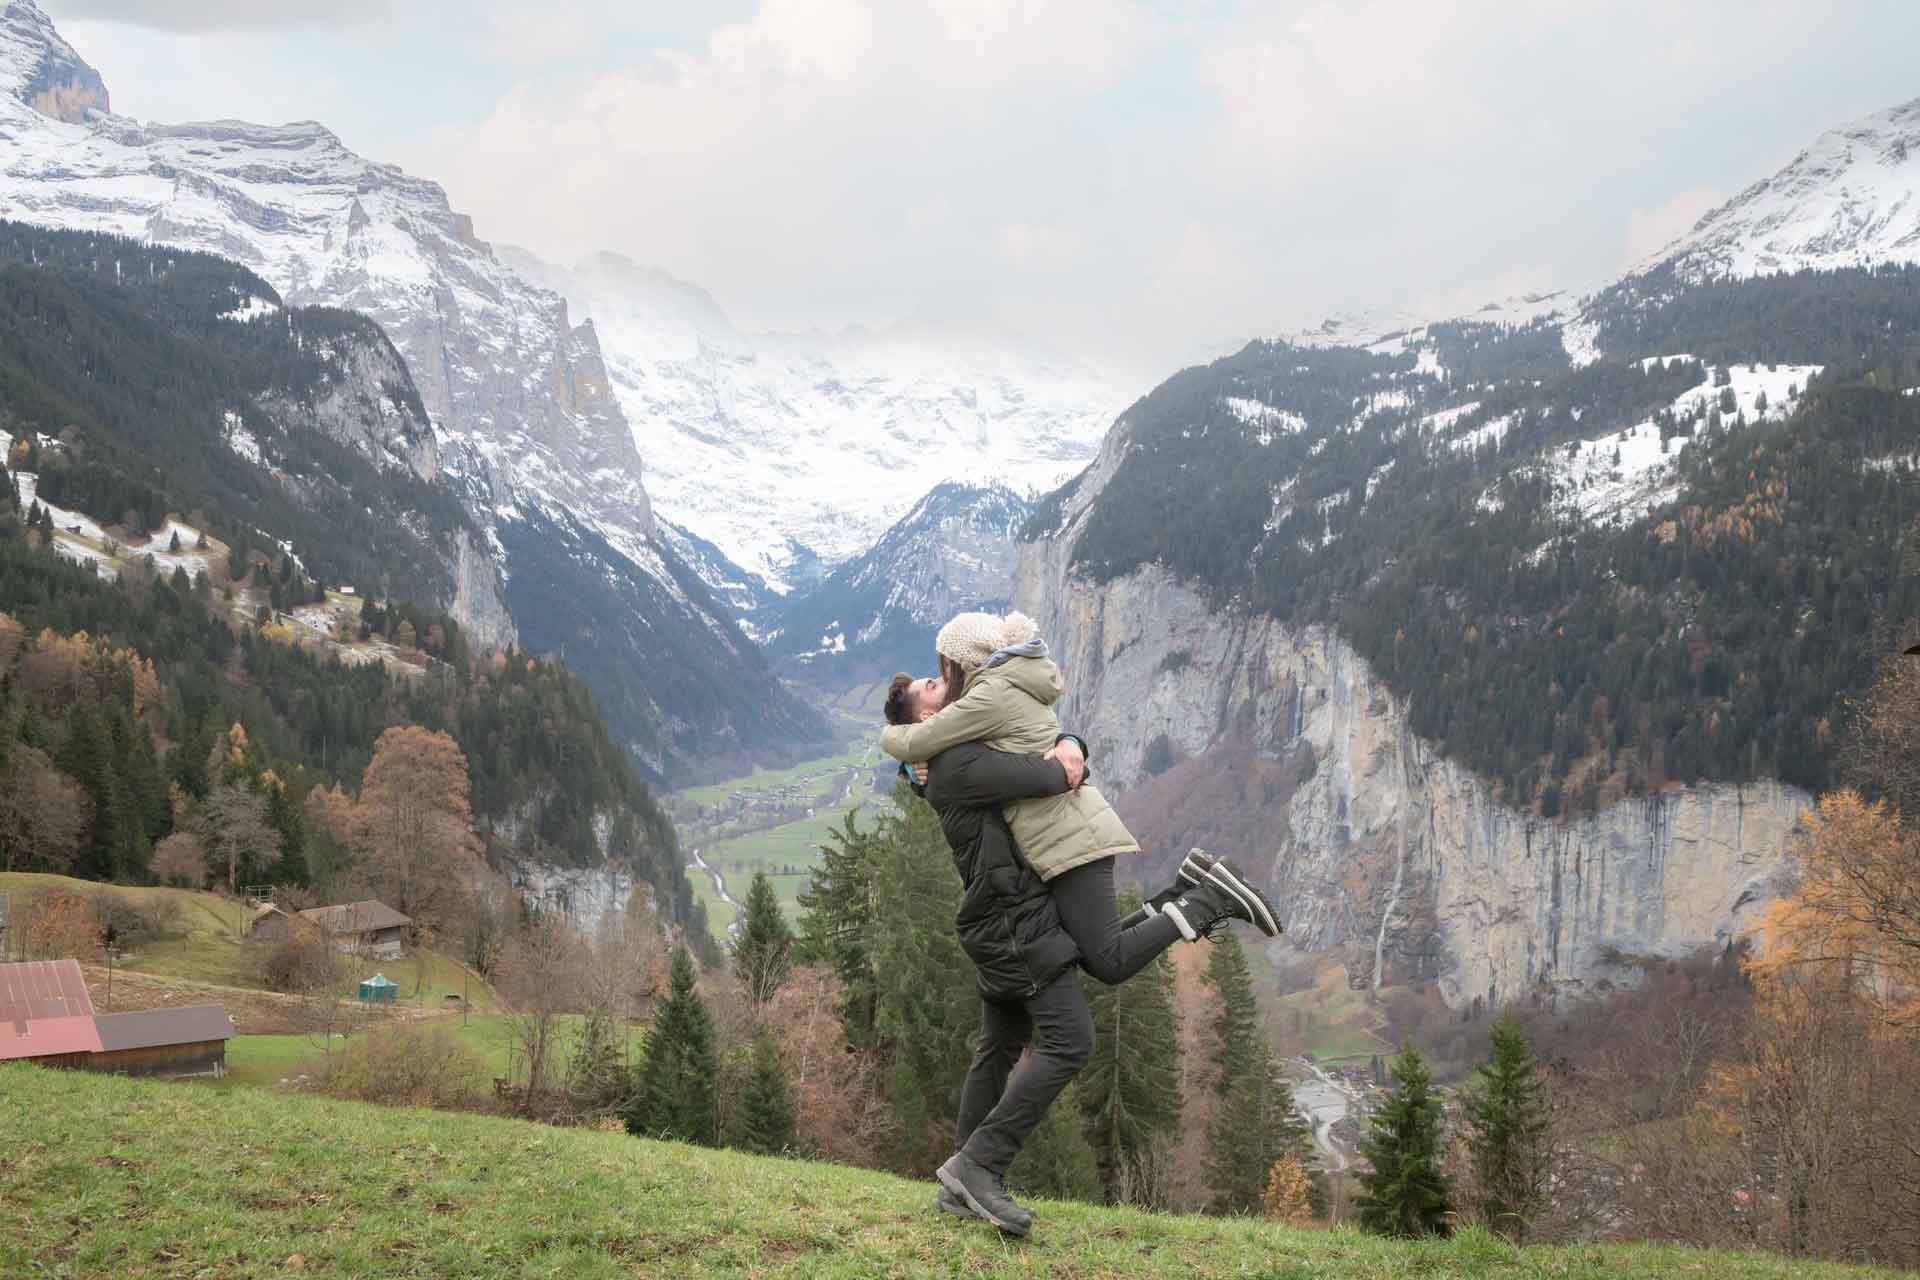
x: 976, y: 640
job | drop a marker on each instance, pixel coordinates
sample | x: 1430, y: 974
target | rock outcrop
x: 1386, y: 850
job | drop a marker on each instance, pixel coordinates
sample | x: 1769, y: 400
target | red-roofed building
x: 47, y: 1015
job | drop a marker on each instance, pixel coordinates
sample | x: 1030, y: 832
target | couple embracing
x: 1035, y: 845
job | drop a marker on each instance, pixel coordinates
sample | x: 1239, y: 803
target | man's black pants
x: 1000, y: 1103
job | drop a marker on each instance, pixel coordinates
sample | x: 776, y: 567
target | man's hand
x: 1068, y: 753
x: 919, y: 772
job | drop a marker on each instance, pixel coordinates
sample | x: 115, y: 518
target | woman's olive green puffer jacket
x: 1010, y: 708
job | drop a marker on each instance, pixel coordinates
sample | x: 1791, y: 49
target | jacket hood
x: 1038, y: 678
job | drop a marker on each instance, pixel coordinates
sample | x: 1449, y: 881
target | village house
x: 370, y: 927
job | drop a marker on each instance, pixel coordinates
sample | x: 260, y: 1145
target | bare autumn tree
x: 542, y: 973
x: 232, y: 827
x: 179, y: 860
x: 42, y: 812
x: 842, y: 1114
x: 413, y: 825
x: 62, y: 926
x: 627, y: 965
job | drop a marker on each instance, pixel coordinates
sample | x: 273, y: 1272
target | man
x: 1012, y: 927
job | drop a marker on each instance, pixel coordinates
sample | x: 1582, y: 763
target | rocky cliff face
x: 1385, y: 850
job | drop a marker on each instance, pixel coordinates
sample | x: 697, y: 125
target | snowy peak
x: 39, y: 68
x: 955, y: 549
x: 1852, y: 199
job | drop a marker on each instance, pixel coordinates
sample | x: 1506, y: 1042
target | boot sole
x: 959, y: 1208
x: 1264, y: 918
x: 959, y: 1188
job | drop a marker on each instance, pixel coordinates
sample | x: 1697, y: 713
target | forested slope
x: 1669, y: 560
x: 284, y: 447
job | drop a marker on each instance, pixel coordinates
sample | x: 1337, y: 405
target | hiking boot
x: 985, y: 1193
x: 947, y: 1202
x: 1209, y: 905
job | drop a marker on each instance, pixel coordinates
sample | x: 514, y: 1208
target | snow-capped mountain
x: 1852, y: 199
x: 955, y: 549
x: 784, y: 449
x: 531, y: 435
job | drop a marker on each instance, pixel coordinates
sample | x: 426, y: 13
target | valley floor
x: 101, y: 1176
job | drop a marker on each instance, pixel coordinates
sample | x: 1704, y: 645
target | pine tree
x: 674, y: 1094
x: 926, y: 1009
x: 1129, y: 1090
x: 1288, y: 1198
x: 1406, y: 1192
x: 1236, y: 1030
x: 836, y: 920
x: 1509, y: 1129
x: 1256, y: 1127
x: 765, y: 1121
x: 1056, y: 1163
x: 763, y: 955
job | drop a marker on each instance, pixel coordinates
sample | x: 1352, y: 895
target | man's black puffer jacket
x: 1007, y: 921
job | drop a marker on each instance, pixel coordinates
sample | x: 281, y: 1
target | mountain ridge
x: 518, y: 393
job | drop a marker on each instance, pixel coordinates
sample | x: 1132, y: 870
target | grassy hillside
x: 110, y: 1177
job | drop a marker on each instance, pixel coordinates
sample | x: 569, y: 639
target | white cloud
x: 220, y: 15
x: 1118, y: 171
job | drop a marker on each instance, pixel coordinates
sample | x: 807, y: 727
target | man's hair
x: 902, y: 706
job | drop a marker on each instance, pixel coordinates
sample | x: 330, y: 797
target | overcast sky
x: 1152, y: 178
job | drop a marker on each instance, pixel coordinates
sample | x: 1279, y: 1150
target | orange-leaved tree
x: 413, y: 825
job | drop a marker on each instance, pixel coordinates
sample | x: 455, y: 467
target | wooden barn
x: 188, y: 1041
x: 271, y: 924
x: 371, y: 927
x: 46, y: 1015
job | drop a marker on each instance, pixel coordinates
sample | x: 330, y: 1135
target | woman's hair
x: 956, y: 678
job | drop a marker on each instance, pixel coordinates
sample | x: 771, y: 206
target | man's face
x: 929, y: 693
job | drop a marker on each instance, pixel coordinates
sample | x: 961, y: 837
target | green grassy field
x: 790, y: 845
x: 206, y: 912
x: 253, y: 1061
x: 109, y: 1177
x: 823, y: 776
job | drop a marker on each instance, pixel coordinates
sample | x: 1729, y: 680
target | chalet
x: 370, y: 927
x: 269, y: 923
x: 46, y: 1015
